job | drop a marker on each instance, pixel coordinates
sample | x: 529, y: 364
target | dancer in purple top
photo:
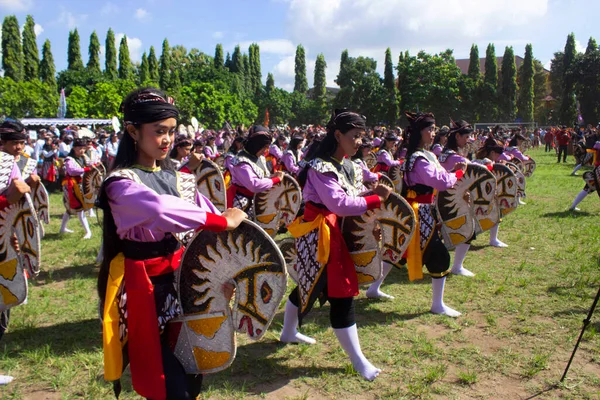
x: 145, y: 205
x: 291, y: 157
x: 385, y: 155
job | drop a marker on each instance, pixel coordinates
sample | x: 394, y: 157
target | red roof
x: 463, y: 64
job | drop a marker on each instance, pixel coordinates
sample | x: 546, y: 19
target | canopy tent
x: 64, y: 121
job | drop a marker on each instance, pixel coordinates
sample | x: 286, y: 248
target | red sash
x: 341, y: 273
x: 145, y: 356
x: 235, y: 189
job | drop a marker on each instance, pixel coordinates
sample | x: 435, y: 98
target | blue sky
x: 365, y: 27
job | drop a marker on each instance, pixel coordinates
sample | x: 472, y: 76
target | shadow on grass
x: 54, y: 340
x: 572, y: 291
x: 566, y: 214
x: 255, y: 370
x: 64, y: 274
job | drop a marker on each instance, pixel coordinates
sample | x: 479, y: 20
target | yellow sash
x: 113, y: 353
x: 300, y: 228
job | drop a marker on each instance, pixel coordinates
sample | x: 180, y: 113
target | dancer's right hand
x: 16, y: 190
x: 279, y: 174
x: 383, y: 192
x: 234, y: 217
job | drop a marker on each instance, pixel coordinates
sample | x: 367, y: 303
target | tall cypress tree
x: 228, y: 62
x: 12, y: 51
x: 93, y: 65
x: 488, y: 107
x: 568, y: 106
x: 255, y: 73
x: 320, y: 80
x: 164, y: 72
x: 74, y: 60
x: 270, y: 83
x: 343, y: 79
x: 125, y: 68
x: 144, y: 70
x: 508, y: 92
x: 31, y: 55
x: 389, y: 83
x: 153, y: 73
x: 247, y: 77
x: 237, y: 62
x: 526, y: 85
x: 474, y: 71
x: 589, y: 83
x: 491, y: 66
x: 300, y: 82
x: 110, y: 63
x: 218, y: 60
x: 47, y: 68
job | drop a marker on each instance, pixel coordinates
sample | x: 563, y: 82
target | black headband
x: 11, y: 134
x: 149, y: 107
x: 420, y: 121
x: 460, y: 128
x: 347, y: 120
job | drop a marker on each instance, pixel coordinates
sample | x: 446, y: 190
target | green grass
x: 522, y: 314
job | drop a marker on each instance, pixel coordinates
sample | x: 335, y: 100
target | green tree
x: 47, y: 69
x: 105, y: 100
x: 568, y: 106
x: 110, y: 63
x: 32, y: 99
x: 144, y: 71
x: 93, y: 64
x: 228, y: 62
x: 218, y: 60
x: 247, y: 77
x: 343, y: 79
x: 279, y: 103
x: 77, y: 103
x: 255, y: 70
x: 164, y: 72
x: 526, y: 87
x: 389, y: 81
x: 74, y: 61
x: 588, y: 88
x: 12, y: 52
x: 31, y: 55
x: 540, y: 90
x: 237, y: 62
x: 474, y: 71
x: 488, y: 110
x: 300, y: 81
x: 319, y: 94
x: 125, y: 68
x: 508, y: 89
x: 270, y: 84
x: 153, y: 66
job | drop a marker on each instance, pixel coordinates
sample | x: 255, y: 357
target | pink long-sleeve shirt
x: 143, y: 215
x: 384, y: 157
x: 243, y: 175
x: 425, y: 173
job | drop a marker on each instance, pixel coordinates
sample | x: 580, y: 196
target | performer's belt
x: 382, y: 167
x: 414, y: 254
x: 316, y: 216
x: 147, y: 250
x: 144, y: 349
x: 77, y: 179
x: 236, y: 189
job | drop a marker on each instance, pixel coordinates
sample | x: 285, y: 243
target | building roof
x: 463, y: 64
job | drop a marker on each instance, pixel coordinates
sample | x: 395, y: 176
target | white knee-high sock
x: 577, y: 168
x: 348, y: 338
x: 578, y: 199
x: 494, y: 237
x: 437, y: 303
x: 374, y: 291
x: 289, y: 333
x: 65, y: 220
x: 460, y: 253
x: 85, y: 224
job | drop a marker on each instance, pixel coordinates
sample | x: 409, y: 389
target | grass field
x: 522, y: 314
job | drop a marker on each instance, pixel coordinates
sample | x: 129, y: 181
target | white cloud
x: 141, y: 14
x: 37, y: 28
x: 109, y: 8
x: 16, y: 5
x: 134, y: 44
x: 548, y: 65
x: 579, y: 47
x: 71, y: 20
x: 218, y: 35
x: 272, y: 46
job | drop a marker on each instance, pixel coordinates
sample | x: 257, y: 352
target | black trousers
x: 562, y: 150
x: 341, y: 313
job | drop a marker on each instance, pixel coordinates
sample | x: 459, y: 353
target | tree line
x: 229, y: 88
